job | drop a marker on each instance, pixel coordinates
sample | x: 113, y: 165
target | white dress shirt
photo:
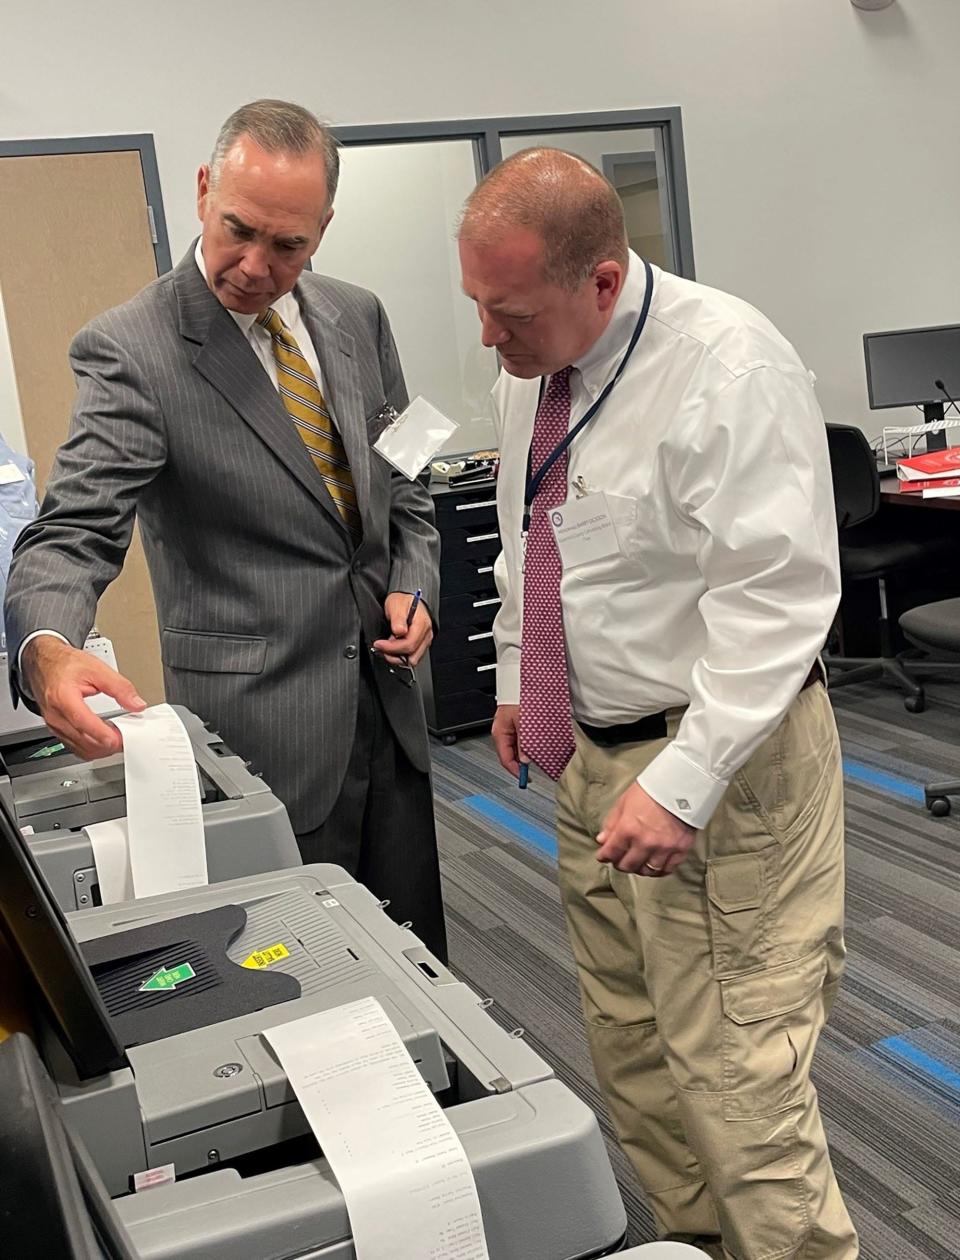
x: 288, y: 309
x: 729, y: 574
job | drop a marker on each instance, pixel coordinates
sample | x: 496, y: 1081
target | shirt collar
x: 286, y: 306
x: 597, y: 365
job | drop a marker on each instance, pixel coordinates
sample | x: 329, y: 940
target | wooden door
x: 75, y: 240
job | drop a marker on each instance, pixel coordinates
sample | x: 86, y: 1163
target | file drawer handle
x: 470, y: 507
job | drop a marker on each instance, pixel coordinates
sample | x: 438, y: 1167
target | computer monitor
x: 916, y: 367
x: 37, y: 932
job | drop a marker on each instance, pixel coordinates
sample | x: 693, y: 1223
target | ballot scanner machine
x: 56, y: 1203
x: 153, y: 1020
x: 54, y: 795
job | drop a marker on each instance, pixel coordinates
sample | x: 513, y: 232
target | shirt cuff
x: 21, y: 680
x: 681, y: 787
x: 36, y: 635
x: 508, y: 682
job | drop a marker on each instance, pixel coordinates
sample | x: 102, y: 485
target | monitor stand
x: 933, y: 412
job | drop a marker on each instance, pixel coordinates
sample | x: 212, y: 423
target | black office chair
x: 872, y: 552
x: 936, y: 627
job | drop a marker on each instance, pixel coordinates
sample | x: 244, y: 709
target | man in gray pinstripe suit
x: 281, y: 624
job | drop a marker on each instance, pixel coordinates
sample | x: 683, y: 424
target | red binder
x: 933, y: 465
x: 940, y: 484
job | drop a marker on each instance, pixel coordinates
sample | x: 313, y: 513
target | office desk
x: 891, y: 493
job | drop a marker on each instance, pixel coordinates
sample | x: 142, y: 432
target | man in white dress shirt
x: 668, y: 578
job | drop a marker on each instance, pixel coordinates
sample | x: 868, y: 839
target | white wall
x: 821, y: 141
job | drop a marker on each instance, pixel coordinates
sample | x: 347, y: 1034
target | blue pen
x: 414, y: 604
x: 523, y: 774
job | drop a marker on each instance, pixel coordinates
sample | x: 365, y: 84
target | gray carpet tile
x: 888, y: 1066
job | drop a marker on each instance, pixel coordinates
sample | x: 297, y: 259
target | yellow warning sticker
x: 266, y: 957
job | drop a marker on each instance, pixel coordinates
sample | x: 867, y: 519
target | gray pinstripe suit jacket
x: 262, y: 601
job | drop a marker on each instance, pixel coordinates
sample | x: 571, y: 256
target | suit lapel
x: 341, y: 386
x: 227, y: 361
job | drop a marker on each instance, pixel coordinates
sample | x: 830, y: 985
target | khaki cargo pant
x: 704, y: 992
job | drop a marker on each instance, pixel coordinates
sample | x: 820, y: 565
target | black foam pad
x: 218, y: 989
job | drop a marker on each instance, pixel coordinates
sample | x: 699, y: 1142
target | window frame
x: 485, y: 135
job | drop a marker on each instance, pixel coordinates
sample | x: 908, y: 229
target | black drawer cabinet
x: 459, y: 678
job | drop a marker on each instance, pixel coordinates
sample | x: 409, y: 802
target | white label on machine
x: 97, y: 645
x: 164, y: 813
x: 406, y: 1180
x: 165, y: 1175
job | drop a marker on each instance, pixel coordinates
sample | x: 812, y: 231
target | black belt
x: 654, y: 726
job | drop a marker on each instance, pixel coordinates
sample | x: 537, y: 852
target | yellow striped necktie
x: 309, y: 412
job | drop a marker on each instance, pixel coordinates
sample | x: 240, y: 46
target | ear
x: 608, y: 277
x: 203, y: 189
x: 324, y: 224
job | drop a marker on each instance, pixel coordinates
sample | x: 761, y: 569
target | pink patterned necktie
x: 546, y: 727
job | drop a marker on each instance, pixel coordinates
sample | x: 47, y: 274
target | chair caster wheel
x: 939, y: 807
x: 448, y: 739
x: 915, y: 704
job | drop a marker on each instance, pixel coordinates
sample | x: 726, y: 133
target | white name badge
x: 412, y: 439
x: 584, y: 530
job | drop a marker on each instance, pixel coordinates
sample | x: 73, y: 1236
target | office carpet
x: 888, y: 1066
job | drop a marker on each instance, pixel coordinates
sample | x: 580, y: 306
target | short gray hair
x: 279, y: 127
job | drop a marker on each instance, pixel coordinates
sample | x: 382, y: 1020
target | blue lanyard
x: 535, y: 480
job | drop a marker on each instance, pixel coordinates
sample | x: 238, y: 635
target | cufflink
x: 682, y: 803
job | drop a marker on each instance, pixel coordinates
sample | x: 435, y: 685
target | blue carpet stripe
x: 517, y: 825
x: 545, y: 841
x: 857, y: 772
x: 900, y: 1048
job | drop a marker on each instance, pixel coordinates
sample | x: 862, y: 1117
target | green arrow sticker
x: 48, y: 750
x: 167, y: 978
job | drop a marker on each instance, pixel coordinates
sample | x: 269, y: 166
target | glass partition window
x: 393, y: 232
x: 631, y: 159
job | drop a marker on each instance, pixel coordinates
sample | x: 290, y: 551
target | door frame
x: 142, y: 142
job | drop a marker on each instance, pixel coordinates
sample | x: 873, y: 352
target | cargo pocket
x: 213, y: 653
x: 737, y: 890
x: 771, y: 1022
x: 786, y: 781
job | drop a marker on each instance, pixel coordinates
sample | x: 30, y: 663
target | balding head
x: 562, y: 199
x: 544, y: 255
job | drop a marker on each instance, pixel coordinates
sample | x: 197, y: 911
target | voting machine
x: 153, y: 1014
x: 56, y: 794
